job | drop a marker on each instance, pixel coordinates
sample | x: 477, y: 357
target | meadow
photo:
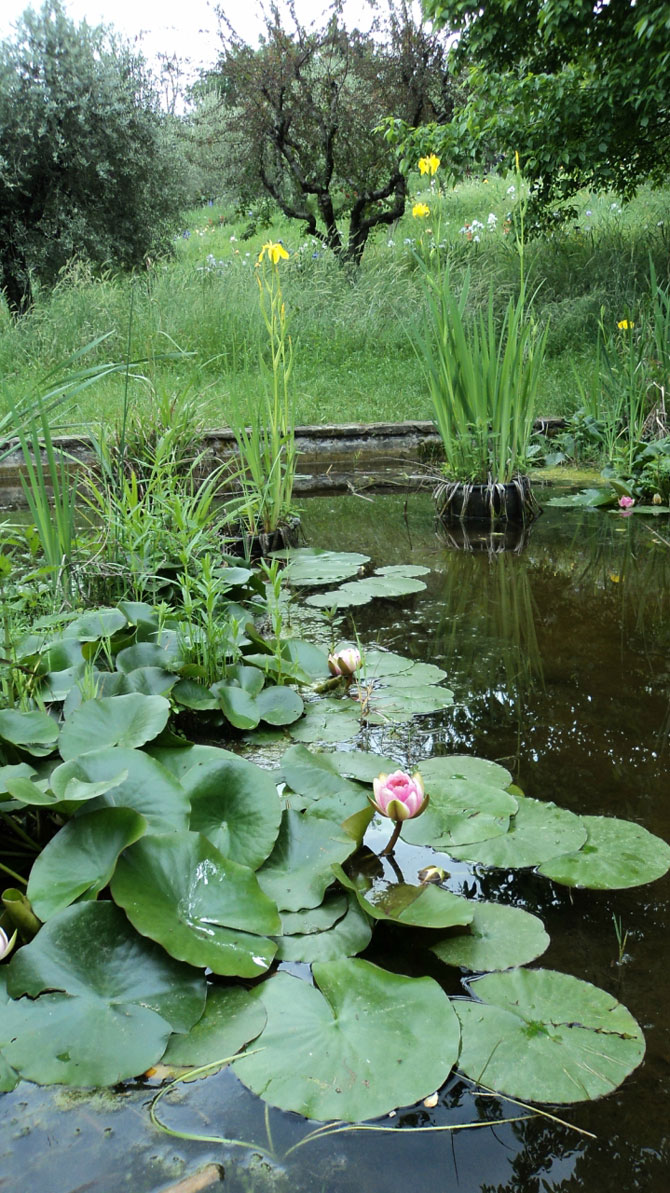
x: 191, y: 326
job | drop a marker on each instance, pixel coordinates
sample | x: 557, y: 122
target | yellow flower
x: 516, y: 161
x: 625, y: 324
x: 275, y: 252
x: 420, y: 211
x: 429, y: 165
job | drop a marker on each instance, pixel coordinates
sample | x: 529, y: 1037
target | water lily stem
x: 13, y: 874
x: 394, y: 837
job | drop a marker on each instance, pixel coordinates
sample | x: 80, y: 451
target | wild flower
x: 275, y: 251
x: 429, y: 165
x: 420, y: 211
x: 625, y: 325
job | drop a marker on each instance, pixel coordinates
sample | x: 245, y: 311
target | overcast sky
x: 185, y: 27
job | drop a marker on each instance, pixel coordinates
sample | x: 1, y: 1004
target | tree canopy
x: 580, y: 89
x: 87, y: 164
x: 301, y: 111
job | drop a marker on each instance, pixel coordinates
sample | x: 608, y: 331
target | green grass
x: 354, y: 359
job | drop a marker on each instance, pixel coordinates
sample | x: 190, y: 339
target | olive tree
x: 87, y: 160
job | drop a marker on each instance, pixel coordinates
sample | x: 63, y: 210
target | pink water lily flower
x: 626, y: 503
x: 344, y: 662
x: 399, y: 796
x: 6, y: 944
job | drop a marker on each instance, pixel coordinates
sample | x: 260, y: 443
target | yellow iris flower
x: 429, y: 165
x: 625, y: 324
x: 420, y: 211
x: 276, y: 252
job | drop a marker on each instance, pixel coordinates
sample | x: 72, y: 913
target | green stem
x: 391, y: 845
x: 13, y: 874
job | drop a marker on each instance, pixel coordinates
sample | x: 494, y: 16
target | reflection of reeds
x: 487, y: 633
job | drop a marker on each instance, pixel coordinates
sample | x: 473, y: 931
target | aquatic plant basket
x: 259, y: 546
x: 513, y: 501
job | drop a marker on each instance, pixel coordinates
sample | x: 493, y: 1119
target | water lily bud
x: 344, y: 662
x: 6, y: 943
x: 657, y: 499
x: 399, y: 796
x: 432, y: 874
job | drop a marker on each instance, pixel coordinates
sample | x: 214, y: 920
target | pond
x: 558, y: 658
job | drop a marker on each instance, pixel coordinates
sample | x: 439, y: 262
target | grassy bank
x: 193, y: 321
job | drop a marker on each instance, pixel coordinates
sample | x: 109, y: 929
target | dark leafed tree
x: 580, y: 88
x: 88, y: 165
x: 301, y: 114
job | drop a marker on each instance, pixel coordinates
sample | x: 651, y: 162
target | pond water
x: 559, y: 658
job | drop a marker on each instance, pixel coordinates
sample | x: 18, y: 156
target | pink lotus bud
x: 625, y: 503
x: 399, y: 796
x: 344, y: 662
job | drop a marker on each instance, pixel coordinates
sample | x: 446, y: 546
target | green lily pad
x: 328, y: 721
x: 460, y: 812
x: 113, y: 721
x: 422, y: 906
x: 230, y: 1020
x: 543, y: 1036
x: 235, y: 804
x: 360, y: 764
x: 498, y: 938
x: 298, y: 870
x: 36, y: 732
x: 180, y: 759
x: 446, y: 769
x: 308, y: 566
x: 537, y: 832
x: 348, y: 936
x: 324, y: 790
x: 617, y: 854
x: 119, y: 997
x: 140, y: 782
x: 354, y: 1046
x: 96, y: 623
x: 393, y: 581
x: 279, y: 705
x: 81, y: 858
x: 315, y: 919
x: 179, y: 890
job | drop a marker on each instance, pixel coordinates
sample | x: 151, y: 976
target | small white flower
x: 511, y: 190
x: 588, y: 213
x: 390, y: 244
x: 475, y: 239
x: 492, y: 220
x: 233, y: 239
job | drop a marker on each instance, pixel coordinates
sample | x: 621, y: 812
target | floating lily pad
x: 179, y: 759
x: 36, y: 732
x: 235, y: 804
x: 96, y: 623
x: 118, y: 999
x: 498, y: 938
x: 179, y: 890
x: 460, y: 811
x: 617, y: 854
x: 449, y: 767
x: 361, y: 765
x: 113, y: 721
x: 315, y: 919
x: 140, y: 782
x: 423, y: 906
x: 310, y: 566
x: 348, y: 936
x: 230, y: 1020
x: 325, y: 792
x: 394, y: 581
x: 537, y: 832
x: 352, y: 1047
x: 298, y: 871
x: 81, y: 858
x: 546, y: 1037
x: 328, y: 721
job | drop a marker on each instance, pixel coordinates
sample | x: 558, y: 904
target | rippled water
x: 559, y: 660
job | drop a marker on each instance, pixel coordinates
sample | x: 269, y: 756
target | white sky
x: 185, y: 27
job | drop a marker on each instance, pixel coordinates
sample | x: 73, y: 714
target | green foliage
x: 579, y: 90
x: 89, y: 167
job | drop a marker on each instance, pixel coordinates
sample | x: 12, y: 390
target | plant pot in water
x: 490, y: 502
x: 258, y: 546
x: 483, y: 535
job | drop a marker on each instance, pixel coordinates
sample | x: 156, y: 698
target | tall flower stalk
x: 267, y: 443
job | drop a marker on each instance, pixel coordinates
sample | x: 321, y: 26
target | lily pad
x: 537, y: 832
x: 180, y: 891
x: 36, y: 732
x: 348, y: 936
x: 354, y: 1046
x: 113, y: 721
x: 231, y: 1019
x: 360, y: 764
x: 423, y: 906
x: 140, y: 783
x: 81, y: 858
x: 460, y: 811
x: 498, y: 938
x: 298, y: 871
x: 235, y: 804
x: 315, y: 919
x: 118, y: 999
x: 328, y: 721
x: 394, y: 581
x: 543, y: 1036
x: 617, y: 854
x: 325, y: 792
x: 445, y: 769
x: 311, y: 566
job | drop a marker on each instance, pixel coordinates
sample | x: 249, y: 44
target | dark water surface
x: 559, y: 658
